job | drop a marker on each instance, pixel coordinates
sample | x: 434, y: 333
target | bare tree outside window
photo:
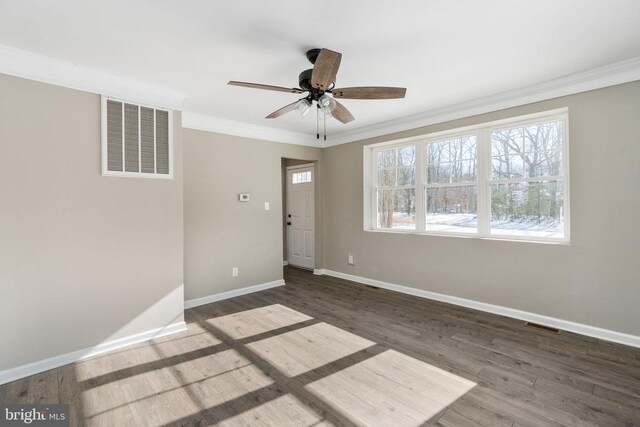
x: 451, y: 190
x: 526, y: 181
x: 396, y: 168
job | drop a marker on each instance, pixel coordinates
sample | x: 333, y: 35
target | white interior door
x: 300, y: 216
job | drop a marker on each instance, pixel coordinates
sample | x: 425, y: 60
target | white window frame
x: 425, y: 185
x: 483, y: 139
x: 376, y: 187
x: 104, y: 153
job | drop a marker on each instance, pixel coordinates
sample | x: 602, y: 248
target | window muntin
x: 451, y: 189
x: 136, y: 140
x: 505, y: 179
x: 396, y: 192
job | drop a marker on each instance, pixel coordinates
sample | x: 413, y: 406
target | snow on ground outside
x: 462, y: 223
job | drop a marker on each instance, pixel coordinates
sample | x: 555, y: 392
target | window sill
x: 560, y: 242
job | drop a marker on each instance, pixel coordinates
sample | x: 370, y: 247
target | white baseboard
x: 33, y: 368
x: 230, y: 294
x: 285, y: 263
x: 565, y: 325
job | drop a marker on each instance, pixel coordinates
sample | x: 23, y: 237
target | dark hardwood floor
x: 322, y: 351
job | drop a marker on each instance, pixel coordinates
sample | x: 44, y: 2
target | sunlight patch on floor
x: 191, y: 385
x: 154, y: 409
x: 299, y: 351
x: 209, y: 366
x: 187, y: 344
x: 230, y: 385
x: 285, y: 411
x: 140, y: 355
x: 257, y: 321
x: 390, y: 389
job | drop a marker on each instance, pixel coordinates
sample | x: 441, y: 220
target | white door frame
x: 309, y: 263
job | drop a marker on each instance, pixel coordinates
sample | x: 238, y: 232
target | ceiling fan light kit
x: 325, y: 104
x: 303, y: 107
x: 319, y: 82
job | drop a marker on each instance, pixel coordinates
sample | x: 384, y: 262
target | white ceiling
x: 444, y: 51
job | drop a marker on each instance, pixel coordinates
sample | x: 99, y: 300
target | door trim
x: 304, y: 166
x: 312, y: 166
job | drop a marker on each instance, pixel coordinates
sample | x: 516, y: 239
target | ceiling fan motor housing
x: 312, y: 55
x: 304, y: 81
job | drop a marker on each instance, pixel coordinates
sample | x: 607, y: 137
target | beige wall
x: 595, y: 280
x: 83, y: 258
x: 221, y: 232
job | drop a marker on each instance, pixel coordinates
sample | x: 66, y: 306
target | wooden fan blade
x: 340, y: 112
x: 370, y: 92
x: 283, y: 110
x: 266, y: 87
x: 325, y: 69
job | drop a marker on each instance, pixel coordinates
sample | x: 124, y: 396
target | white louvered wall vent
x: 136, y: 140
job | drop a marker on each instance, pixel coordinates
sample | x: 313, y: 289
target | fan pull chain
x: 324, y: 122
x: 318, y: 122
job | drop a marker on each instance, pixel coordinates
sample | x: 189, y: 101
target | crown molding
x: 41, y: 68
x: 32, y: 66
x: 596, y: 78
x: 231, y: 127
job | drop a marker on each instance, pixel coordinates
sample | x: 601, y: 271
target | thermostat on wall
x: 244, y: 197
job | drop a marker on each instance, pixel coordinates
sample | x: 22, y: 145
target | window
x: 451, y: 190
x: 301, y: 177
x: 506, y: 179
x: 396, y: 188
x: 136, y: 140
x: 527, y: 183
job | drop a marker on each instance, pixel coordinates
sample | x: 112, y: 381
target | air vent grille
x: 136, y: 140
x: 543, y: 327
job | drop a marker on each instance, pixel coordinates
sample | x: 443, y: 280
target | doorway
x: 300, y: 215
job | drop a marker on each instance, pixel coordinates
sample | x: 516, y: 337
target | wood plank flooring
x: 321, y: 351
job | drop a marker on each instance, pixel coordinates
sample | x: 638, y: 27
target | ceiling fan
x: 318, y: 82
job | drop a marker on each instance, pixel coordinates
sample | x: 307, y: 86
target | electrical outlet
x: 266, y: 206
x: 234, y: 272
x: 350, y: 260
